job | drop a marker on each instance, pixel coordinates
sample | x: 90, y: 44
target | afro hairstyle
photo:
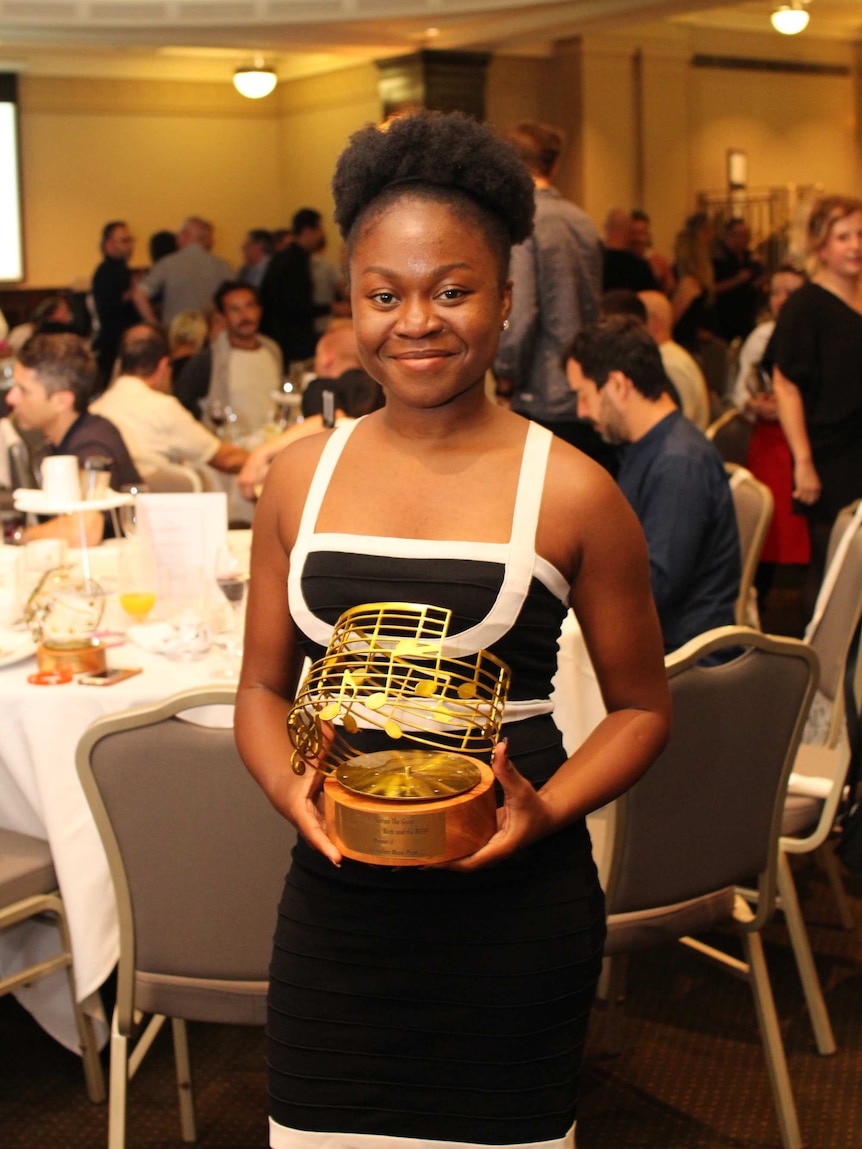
x: 444, y: 156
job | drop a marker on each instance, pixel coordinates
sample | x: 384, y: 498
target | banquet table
x: 40, y: 795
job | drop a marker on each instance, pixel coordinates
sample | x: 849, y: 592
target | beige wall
x: 152, y: 151
x: 795, y: 128
x: 147, y: 152
x: 318, y: 117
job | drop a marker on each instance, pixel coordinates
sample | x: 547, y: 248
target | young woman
x: 449, y: 1003
x: 816, y: 355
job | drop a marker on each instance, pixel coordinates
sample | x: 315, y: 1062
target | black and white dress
x: 408, y: 1006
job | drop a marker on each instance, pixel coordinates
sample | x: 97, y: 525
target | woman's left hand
x: 523, y: 817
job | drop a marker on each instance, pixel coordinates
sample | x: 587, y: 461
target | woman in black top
x: 816, y: 353
x: 411, y: 1005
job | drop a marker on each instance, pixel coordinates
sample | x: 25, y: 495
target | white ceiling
x: 204, y: 39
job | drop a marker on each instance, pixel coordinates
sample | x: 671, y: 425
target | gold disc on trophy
x: 409, y: 775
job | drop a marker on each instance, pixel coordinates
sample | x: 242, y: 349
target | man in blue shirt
x: 670, y: 473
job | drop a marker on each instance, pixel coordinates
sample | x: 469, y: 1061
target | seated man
x: 681, y: 368
x: 156, y: 427
x: 55, y: 375
x: 240, y: 369
x: 355, y: 393
x: 670, y: 473
x: 337, y: 368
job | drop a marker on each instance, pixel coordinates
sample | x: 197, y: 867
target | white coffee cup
x: 60, y: 481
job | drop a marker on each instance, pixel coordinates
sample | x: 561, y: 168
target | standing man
x: 257, y: 249
x: 186, y: 279
x: 112, y: 295
x: 622, y: 270
x: 241, y: 368
x: 55, y: 378
x: 739, y: 283
x: 557, y: 283
x: 287, y: 291
x: 671, y: 474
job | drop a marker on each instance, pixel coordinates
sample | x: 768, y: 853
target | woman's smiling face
x: 427, y: 301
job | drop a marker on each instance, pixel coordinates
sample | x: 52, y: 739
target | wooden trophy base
x: 76, y: 657
x: 386, y: 832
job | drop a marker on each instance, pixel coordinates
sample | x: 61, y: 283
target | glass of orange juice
x: 137, y: 590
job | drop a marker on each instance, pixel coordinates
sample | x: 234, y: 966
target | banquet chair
x: 753, y: 504
x: 707, y: 815
x: 731, y: 433
x: 197, y: 858
x: 819, y: 774
x: 28, y: 888
x: 174, y: 478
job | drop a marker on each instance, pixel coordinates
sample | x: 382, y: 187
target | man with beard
x: 671, y: 474
x: 240, y: 369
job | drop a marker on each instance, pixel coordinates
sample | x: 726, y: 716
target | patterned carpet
x: 691, y: 1074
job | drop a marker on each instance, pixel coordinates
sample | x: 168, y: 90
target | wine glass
x: 137, y: 580
x: 219, y: 414
x: 129, y: 511
x: 233, y: 583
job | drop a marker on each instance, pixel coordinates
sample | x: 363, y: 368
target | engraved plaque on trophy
x: 426, y: 797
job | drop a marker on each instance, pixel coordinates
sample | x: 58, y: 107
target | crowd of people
x: 221, y: 340
x: 489, y: 331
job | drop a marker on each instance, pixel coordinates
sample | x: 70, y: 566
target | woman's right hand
x: 806, y: 482
x: 301, y: 802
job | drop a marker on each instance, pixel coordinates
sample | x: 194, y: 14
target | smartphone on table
x: 108, y: 677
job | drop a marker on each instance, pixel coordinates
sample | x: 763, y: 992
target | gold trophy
x: 426, y: 798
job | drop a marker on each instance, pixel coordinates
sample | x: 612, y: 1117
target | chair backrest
x: 197, y: 853
x: 731, y: 433
x: 174, y: 478
x: 707, y: 814
x: 21, y: 470
x: 753, y: 504
x: 838, y: 608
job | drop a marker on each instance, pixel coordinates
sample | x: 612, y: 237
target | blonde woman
x: 816, y: 355
x: 694, y: 296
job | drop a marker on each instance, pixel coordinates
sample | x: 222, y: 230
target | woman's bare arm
x: 612, y: 599
x: 791, y: 415
x: 272, y: 658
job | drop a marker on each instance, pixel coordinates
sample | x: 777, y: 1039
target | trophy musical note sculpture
x: 427, y: 798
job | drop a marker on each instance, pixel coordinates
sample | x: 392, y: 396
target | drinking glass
x: 233, y: 583
x: 129, y: 512
x: 222, y: 416
x: 137, y: 592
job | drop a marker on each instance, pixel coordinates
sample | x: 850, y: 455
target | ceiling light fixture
x: 790, y: 19
x: 256, y: 81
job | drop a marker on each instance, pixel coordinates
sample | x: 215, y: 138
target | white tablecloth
x: 40, y: 795
x: 578, y: 709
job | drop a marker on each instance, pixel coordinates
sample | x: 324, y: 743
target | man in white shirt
x: 680, y: 367
x: 156, y: 427
x: 240, y: 370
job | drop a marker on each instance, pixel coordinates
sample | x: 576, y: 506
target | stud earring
x: 505, y: 324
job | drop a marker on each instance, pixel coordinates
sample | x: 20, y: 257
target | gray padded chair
x: 753, y: 504
x: 174, y: 478
x: 197, y: 858
x: 28, y: 888
x: 820, y: 770
x: 707, y: 816
x: 731, y: 433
